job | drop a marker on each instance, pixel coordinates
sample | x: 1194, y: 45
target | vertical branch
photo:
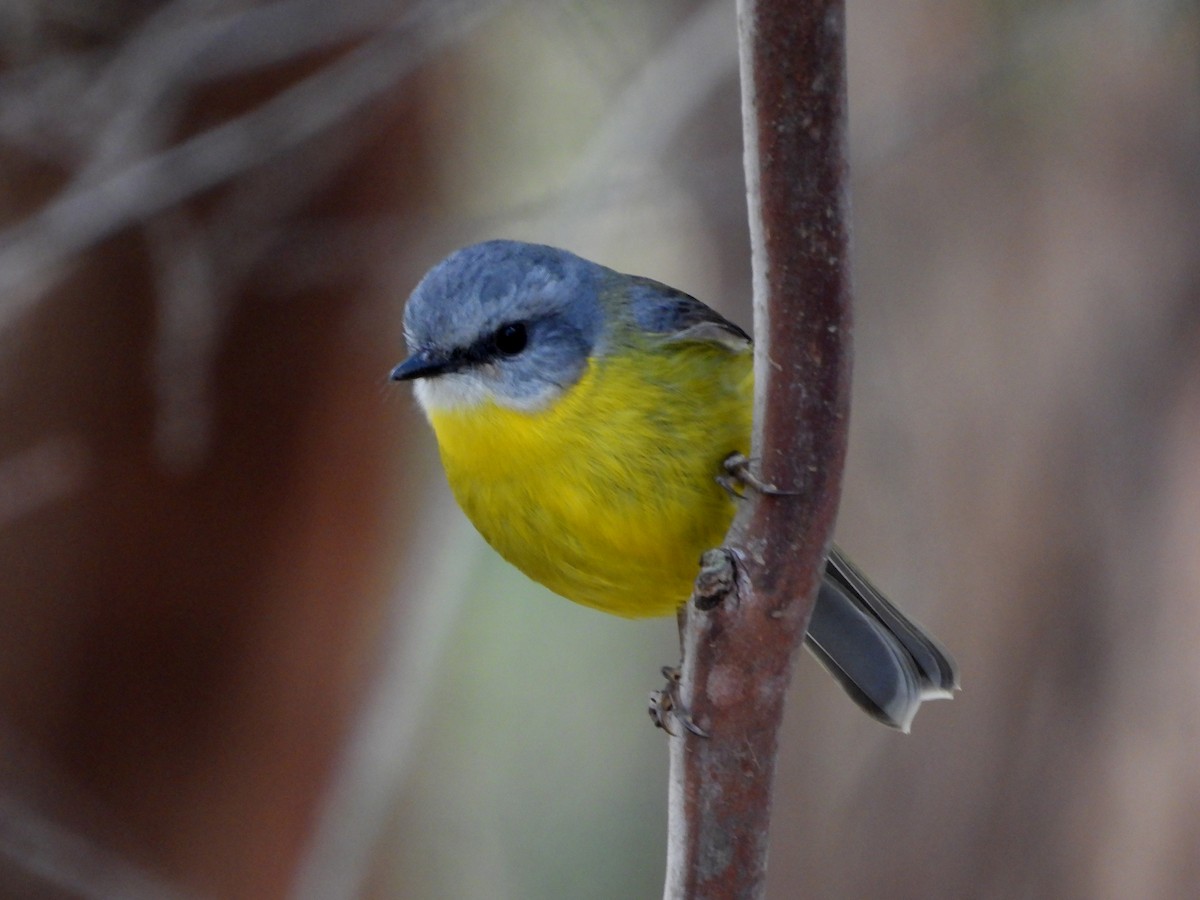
x: 738, y: 658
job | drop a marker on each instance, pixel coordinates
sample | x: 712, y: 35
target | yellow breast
x: 608, y: 497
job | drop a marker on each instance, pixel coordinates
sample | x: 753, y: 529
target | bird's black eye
x: 511, y: 339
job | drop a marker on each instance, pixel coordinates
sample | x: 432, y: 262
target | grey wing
x: 661, y: 309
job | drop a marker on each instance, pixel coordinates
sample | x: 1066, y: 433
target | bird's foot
x: 716, y: 580
x: 736, y: 475
x: 666, y: 707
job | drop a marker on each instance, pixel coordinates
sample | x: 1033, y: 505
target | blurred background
x: 248, y: 646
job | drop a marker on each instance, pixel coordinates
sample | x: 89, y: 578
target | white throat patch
x: 468, y: 390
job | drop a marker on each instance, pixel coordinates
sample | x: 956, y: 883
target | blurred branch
x: 191, y: 315
x: 58, y: 840
x: 738, y: 659
x: 378, y: 756
x: 677, y: 80
x: 52, y: 855
x: 91, y: 209
x: 77, y: 101
x: 118, y: 683
x: 39, y: 475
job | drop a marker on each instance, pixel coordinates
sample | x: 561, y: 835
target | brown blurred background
x: 248, y: 647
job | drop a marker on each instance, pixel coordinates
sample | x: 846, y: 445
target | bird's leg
x: 665, y: 704
x: 736, y: 475
x: 731, y: 485
x: 716, y: 580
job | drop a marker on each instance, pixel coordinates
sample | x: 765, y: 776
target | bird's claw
x: 736, y: 475
x: 665, y: 706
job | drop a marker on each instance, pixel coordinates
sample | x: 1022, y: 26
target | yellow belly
x: 608, y: 497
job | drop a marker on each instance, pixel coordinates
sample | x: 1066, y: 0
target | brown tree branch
x: 738, y: 658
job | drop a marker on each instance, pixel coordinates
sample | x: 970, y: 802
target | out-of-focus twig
x: 187, y: 338
x: 675, y: 82
x: 38, y: 475
x: 738, y: 658
x: 378, y: 755
x: 58, y: 840
x: 35, y: 250
x: 52, y: 855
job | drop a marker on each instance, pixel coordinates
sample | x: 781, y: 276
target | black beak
x: 420, y: 365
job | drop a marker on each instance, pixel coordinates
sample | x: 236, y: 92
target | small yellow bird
x: 583, y: 418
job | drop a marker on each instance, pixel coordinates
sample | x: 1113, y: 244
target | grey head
x: 502, y: 321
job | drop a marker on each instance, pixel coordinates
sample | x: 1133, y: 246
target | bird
x: 583, y: 418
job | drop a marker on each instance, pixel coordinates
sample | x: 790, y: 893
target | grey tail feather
x: 885, y: 661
